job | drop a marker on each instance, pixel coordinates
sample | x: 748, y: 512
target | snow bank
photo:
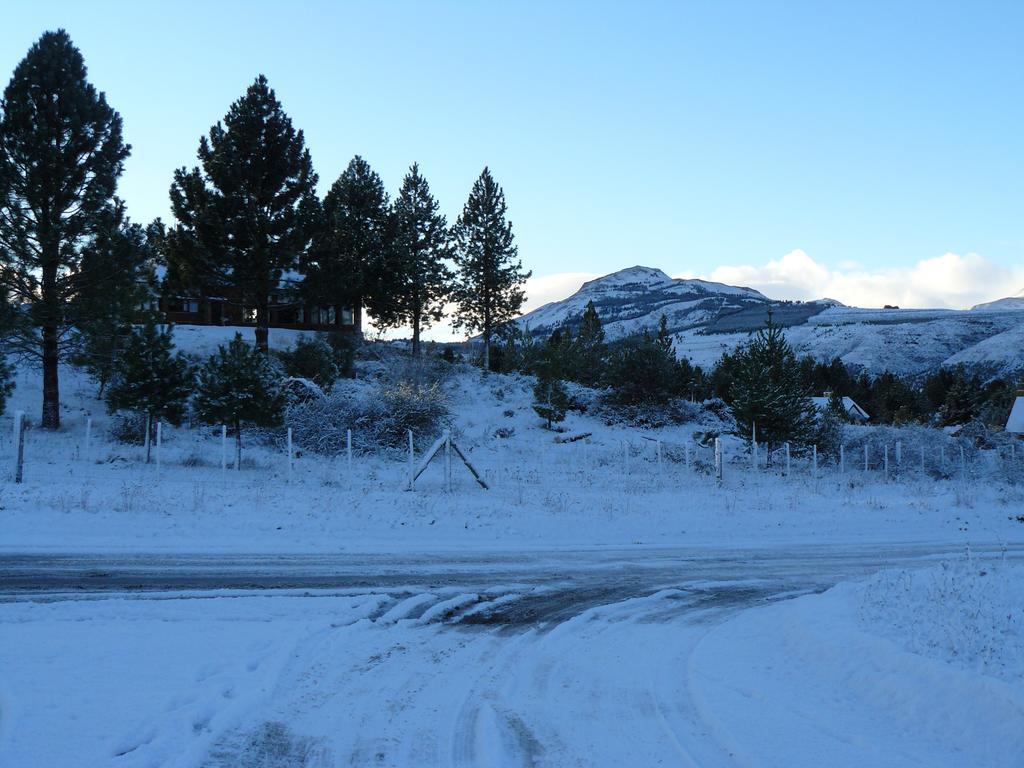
x: 909, y: 668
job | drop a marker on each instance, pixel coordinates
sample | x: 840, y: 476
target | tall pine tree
x: 151, y: 379
x: 415, y: 282
x: 248, y: 214
x: 489, y: 289
x: 346, y: 260
x: 61, y: 154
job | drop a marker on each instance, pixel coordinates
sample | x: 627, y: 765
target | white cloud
x: 950, y: 280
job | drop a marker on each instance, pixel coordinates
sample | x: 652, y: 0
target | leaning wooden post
x: 19, y: 445
x: 412, y: 468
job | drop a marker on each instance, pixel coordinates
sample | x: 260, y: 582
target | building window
x: 190, y: 306
x: 347, y: 317
x: 325, y: 315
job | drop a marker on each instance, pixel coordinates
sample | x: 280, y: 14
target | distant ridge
x: 707, y: 319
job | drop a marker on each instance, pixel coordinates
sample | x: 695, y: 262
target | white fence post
x: 88, y: 439
x: 659, y: 457
x: 842, y: 460
x: 19, y: 445
x: 348, y: 456
x: 159, y: 444
x: 718, y: 459
x: 787, y: 459
x: 815, y: 461
x: 963, y: 463
x: 899, y: 454
x: 886, y: 449
x: 865, y: 457
x: 223, y: 448
x: 149, y: 426
x: 412, y: 468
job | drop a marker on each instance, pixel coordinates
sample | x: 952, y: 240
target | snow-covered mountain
x: 1010, y: 302
x: 708, y: 319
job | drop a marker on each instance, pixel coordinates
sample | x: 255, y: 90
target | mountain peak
x: 631, y: 276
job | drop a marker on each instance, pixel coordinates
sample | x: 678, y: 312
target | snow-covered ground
x: 598, y: 605
x: 700, y: 661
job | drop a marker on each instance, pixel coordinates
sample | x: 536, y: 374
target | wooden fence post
x: 19, y: 446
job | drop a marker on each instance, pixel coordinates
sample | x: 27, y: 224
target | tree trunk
x: 238, y: 445
x: 416, y: 337
x: 263, y: 325
x: 487, y: 350
x: 51, y: 380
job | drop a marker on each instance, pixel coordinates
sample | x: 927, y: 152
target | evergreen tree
x: 114, y: 288
x: 962, y: 403
x: 249, y: 213
x: 151, y: 379
x: 767, y: 391
x: 664, y: 338
x: 347, y: 259
x: 415, y: 282
x: 550, y: 400
x: 239, y: 386
x: 61, y: 154
x: 588, y: 352
x: 489, y: 288
x: 641, y: 371
x: 311, y: 358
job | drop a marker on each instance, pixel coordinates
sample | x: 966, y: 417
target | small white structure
x: 1015, y: 424
x: 853, y: 411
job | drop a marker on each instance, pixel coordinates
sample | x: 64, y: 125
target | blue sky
x: 872, y: 149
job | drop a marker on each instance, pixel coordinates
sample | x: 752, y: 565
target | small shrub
x: 128, y: 427
x: 311, y: 358
x: 504, y: 433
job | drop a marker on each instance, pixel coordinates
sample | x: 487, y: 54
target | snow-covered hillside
x: 708, y: 319
x: 1010, y: 302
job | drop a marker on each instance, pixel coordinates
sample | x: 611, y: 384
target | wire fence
x: 191, y: 458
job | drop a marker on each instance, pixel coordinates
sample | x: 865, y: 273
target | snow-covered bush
x: 378, y: 413
x: 311, y: 358
x: 647, y: 415
x: 969, y: 612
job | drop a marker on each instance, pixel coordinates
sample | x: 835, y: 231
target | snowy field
x: 605, y: 603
